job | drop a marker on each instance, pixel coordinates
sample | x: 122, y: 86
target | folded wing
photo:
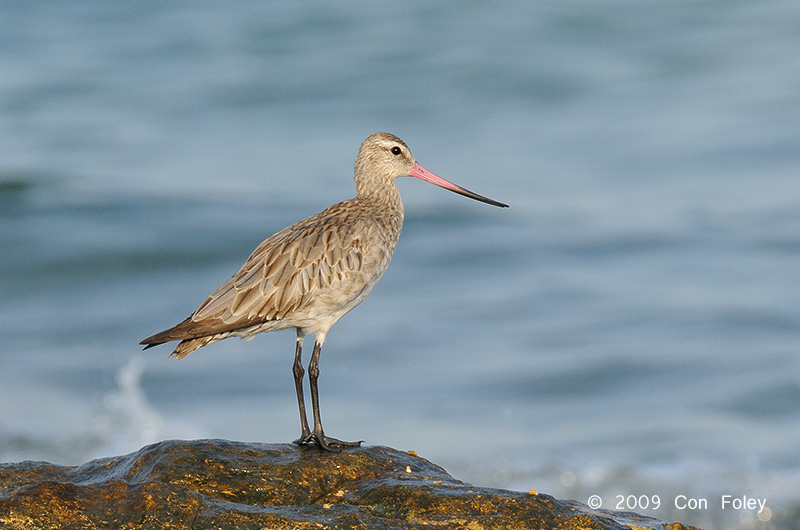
x: 284, y: 275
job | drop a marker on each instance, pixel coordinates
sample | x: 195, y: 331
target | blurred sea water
x: 629, y: 327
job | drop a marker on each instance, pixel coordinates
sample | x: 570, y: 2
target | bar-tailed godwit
x: 307, y: 276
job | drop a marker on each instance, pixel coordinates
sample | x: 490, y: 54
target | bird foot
x: 332, y: 444
x: 305, y: 438
x: 326, y: 442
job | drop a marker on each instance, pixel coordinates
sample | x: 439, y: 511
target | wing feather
x: 284, y: 274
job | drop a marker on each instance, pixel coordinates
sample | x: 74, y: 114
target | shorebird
x: 309, y: 275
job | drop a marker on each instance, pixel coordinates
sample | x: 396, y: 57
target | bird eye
x: 396, y: 150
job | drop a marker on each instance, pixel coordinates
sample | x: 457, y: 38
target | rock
x: 215, y: 484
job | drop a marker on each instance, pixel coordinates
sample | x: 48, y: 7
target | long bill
x: 421, y: 173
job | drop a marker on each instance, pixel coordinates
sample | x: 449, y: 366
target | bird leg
x: 297, y: 370
x: 325, y: 442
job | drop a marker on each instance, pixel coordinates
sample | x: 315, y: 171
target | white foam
x: 128, y: 421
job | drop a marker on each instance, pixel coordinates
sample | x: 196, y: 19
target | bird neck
x: 384, y: 194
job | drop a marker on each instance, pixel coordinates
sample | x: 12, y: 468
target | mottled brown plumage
x: 309, y: 275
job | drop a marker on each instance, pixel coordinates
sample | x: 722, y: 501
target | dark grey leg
x: 325, y: 442
x: 297, y: 370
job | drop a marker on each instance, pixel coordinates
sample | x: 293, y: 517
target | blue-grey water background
x: 630, y: 326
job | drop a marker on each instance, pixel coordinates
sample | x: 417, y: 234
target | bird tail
x: 184, y: 347
x: 191, y: 334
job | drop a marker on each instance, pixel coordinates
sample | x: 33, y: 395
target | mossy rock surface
x: 217, y: 484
